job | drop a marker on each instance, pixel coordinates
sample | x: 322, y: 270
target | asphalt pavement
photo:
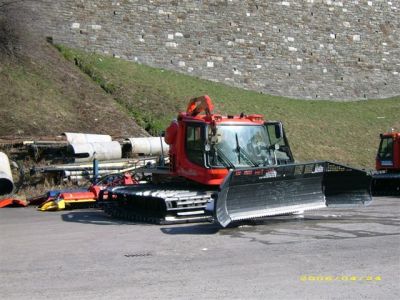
x: 84, y: 254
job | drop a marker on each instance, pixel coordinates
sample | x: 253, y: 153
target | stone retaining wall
x: 314, y: 49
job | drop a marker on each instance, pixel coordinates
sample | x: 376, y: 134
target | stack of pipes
x: 86, y: 148
x: 84, y: 171
x: 76, y: 175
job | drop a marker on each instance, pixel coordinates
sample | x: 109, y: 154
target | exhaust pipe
x: 6, y: 180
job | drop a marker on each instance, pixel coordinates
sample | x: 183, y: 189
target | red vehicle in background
x: 387, y: 180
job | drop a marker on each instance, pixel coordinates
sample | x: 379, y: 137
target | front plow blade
x: 261, y: 192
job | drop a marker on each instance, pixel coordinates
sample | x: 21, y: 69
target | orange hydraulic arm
x: 200, y: 104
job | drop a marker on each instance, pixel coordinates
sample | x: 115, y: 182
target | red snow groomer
x: 387, y: 180
x: 234, y: 167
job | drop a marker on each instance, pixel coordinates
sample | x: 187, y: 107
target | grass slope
x: 347, y: 132
x: 42, y: 94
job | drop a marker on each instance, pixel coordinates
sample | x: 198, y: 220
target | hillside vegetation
x: 42, y: 94
x: 347, y: 132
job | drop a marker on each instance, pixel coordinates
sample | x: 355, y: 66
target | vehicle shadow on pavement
x: 209, y: 228
x: 95, y: 217
x: 194, y: 229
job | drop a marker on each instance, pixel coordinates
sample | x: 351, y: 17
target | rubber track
x: 158, y: 206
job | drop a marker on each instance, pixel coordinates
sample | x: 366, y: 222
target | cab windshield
x: 244, y: 146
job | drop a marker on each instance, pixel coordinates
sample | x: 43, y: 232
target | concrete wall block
x: 75, y: 25
x: 95, y: 27
x: 171, y: 44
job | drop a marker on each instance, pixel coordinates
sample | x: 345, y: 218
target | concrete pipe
x: 6, y: 180
x: 148, y: 146
x: 100, y: 151
x: 84, y: 138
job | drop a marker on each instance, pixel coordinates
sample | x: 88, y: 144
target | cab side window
x: 284, y: 155
x: 195, y: 143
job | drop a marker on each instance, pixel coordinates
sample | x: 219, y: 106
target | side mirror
x: 275, y: 147
x: 216, y: 139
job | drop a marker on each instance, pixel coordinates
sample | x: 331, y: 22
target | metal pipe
x: 89, y: 172
x: 6, y: 180
x: 109, y: 165
x: 95, y: 170
x: 84, y: 176
x: 75, y: 178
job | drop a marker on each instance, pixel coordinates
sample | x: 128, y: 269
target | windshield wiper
x: 224, y: 159
x: 242, y: 152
